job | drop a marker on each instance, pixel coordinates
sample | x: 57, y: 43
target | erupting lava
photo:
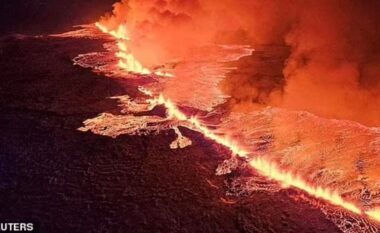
x: 126, y: 59
x: 266, y: 168
x: 196, y: 124
x: 286, y: 178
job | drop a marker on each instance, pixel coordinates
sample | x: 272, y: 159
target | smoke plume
x: 332, y: 68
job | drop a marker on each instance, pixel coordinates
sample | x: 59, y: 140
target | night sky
x: 45, y: 16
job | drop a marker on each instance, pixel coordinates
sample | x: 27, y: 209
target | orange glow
x: 128, y: 62
x: 174, y: 112
x: 287, y: 178
x: 266, y: 168
x: 126, y: 59
x: 374, y: 214
x: 263, y: 166
x: 120, y: 34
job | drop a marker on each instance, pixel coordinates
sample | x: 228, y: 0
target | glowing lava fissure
x: 127, y: 61
x: 266, y: 168
x: 263, y: 166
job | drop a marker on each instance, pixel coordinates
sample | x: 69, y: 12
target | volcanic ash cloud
x: 332, y: 68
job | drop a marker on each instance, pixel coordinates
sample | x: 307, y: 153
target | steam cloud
x: 334, y: 61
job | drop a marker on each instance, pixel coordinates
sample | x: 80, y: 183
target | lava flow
x: 266, y: 168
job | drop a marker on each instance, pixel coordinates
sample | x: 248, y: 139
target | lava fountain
x: 127, y: 61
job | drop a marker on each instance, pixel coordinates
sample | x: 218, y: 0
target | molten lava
x: 127, y: 61
x: 196, y: 124
x: 287, y: 178
x: 374, y: 214
x: 265, y: 167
